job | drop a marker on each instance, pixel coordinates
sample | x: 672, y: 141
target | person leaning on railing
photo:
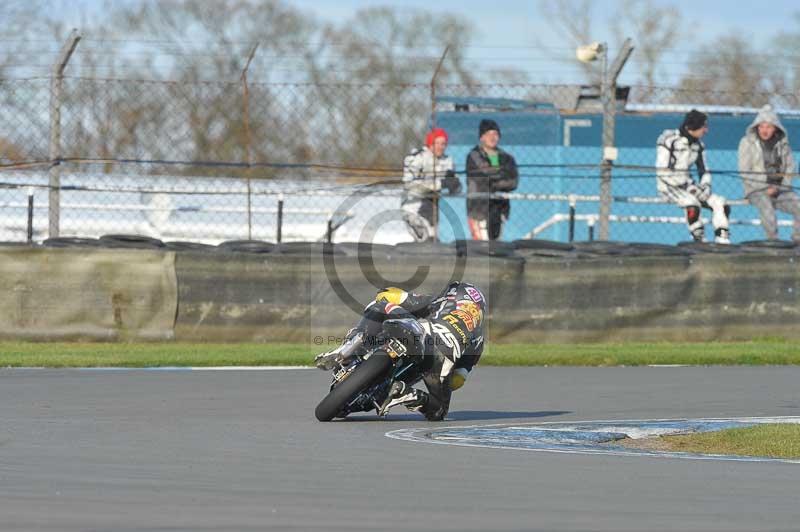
x: 489, y: 169
x: 766, y: 165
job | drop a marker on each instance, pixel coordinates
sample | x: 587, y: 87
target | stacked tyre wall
x: 127, y: 288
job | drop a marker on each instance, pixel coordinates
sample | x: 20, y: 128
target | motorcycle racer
x: 451, y: 337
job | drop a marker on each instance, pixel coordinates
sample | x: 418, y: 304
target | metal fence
x: 210, y: 162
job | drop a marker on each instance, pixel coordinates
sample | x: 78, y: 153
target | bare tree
x: 729, y: 73
x: 26, y: 51
x: 374, y: 78
x: 202, y: 111
x: 354, y: 93
x: 786, y: 58
x: 654, y: 30
x: 572, y: 19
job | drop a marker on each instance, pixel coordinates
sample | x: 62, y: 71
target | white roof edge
x: 682, y: 108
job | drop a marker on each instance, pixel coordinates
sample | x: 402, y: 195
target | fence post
x: 279, y: 234
x: 608, y: 95
x: 437, y: 195
x: 56, y: 82
x: 572, y: 202
x: 30, y: 216
x: 248, y: 156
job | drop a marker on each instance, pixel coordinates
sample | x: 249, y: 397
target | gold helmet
x: 392, y: 294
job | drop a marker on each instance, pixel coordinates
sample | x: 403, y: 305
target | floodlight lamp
x: 589, y: 52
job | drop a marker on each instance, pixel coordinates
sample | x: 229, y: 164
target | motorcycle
x: 362, y: 377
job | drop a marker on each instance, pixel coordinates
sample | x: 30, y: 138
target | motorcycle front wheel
x: 362, y: 377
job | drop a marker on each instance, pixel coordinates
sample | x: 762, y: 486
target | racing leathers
x: 423, y: 176
x: 676, y: 152
x: 453, y: 323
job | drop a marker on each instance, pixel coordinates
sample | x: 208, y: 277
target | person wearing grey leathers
x: 766, y: 165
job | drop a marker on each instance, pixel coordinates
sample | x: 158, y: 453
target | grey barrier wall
x: 219, y: 296
x: 93, y: 294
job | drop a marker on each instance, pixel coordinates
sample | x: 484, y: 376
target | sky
x: 518, y: 24
x: 513, y: 32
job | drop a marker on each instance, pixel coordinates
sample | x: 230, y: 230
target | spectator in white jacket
x: 677, y: 150
x: 766, y: 165
x: 425, y: 170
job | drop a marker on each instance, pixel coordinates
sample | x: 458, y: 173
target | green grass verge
x: 767, y: 352
x: 778, y: 440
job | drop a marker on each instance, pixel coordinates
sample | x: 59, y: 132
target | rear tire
x: 362, y: 377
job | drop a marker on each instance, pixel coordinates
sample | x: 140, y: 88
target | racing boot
x: 723, y: 236
x: 403, y: 394
x: 340, y: 355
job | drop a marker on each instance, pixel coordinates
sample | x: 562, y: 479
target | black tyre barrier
x: 709, y: 247
x: 247, y: 246
x: 13, y: 244
x: 652, y: 250
x: 600, y: 247
x: 351, y: 249
x: 770, y: 247
x: 492, y: 248
x: 179, y: 245
x: 542, y: 245
x: 307, y: 248
x: 769, y: 244
x: 544, y: 252
x: 424, y: 248
x: 71, y: 241
x: 130, y: 241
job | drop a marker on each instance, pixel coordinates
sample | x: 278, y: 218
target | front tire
x: 362, y: 377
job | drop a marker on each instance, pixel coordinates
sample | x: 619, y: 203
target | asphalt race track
x: 241, y: 451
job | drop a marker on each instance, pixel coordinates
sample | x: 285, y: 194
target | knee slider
x: 727, y: 210
x: 692, y: 214
x: 458, y: 378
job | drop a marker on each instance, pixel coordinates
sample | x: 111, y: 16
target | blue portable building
x: 559, y: 153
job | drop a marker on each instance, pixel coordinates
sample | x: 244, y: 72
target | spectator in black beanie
x: 489, y: 170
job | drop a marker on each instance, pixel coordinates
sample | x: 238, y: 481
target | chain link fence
x: 210, y: 162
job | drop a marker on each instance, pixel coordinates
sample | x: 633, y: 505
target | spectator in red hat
x: 425, y: 170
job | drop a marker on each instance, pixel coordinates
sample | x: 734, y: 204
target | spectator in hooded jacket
x: 489, y: 170
x: 677, y: 150
x: 766, y: 165
x: 424, y: 172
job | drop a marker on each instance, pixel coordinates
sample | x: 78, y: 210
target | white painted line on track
x: 172, y: 368
x: 495, y: 439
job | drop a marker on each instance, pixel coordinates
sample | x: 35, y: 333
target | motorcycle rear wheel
x: 362, y: 377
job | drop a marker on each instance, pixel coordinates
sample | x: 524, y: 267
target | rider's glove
x: 452, y: 183
x: 704, y: 192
